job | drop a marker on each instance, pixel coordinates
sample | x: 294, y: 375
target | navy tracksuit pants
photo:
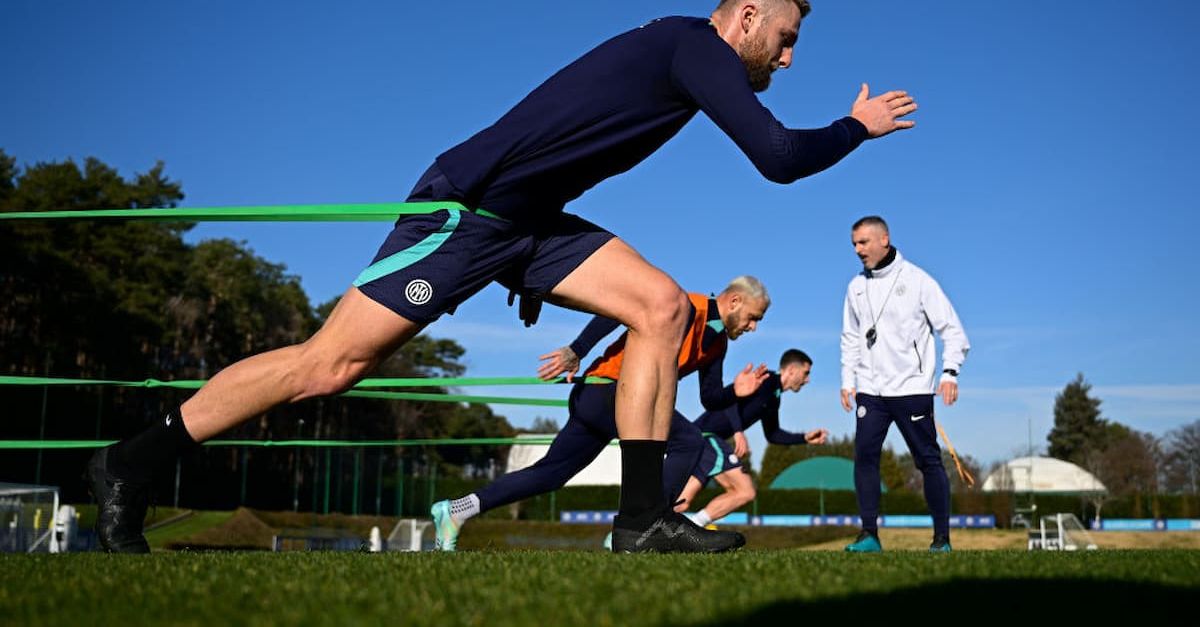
x: 591, y: 426
x: 913, y: 415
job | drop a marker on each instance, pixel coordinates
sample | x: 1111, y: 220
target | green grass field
x: 592, y: 588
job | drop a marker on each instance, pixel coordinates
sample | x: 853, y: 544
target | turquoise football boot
x: 941, y: 544
x: 866, y: 542
x: 445, y: 531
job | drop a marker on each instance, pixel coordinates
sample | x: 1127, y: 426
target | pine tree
x: 1078, y: 428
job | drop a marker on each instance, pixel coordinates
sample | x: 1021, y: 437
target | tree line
x: 1130, y: 463
x: 132, y: 300
x: 1127, y: 461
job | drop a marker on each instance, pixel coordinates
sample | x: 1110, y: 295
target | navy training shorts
x: 716, y: 457
x: 430, y: 263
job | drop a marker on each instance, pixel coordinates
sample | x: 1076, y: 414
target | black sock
x: 139, y: 458
x: 642, y: 500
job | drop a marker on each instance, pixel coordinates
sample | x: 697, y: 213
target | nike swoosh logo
x: 916, y: 418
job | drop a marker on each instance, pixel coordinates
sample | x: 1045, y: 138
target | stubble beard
x: 757, y: 59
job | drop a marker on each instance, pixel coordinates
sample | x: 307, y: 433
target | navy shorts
x: 716, y: 457
x: 430, y: 263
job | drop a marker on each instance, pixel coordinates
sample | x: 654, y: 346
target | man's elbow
x: 774, y: 171
x: 788, y: 170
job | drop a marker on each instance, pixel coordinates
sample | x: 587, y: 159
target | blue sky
x: 1049, y: 185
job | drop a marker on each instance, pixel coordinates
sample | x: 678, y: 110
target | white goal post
x: 408, y: 535
x: 1060, y: 532
x: 28, y: 519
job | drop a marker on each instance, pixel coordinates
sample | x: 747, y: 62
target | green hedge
x: 1001, y: 504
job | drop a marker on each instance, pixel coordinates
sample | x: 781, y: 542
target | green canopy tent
x: 819, y: 473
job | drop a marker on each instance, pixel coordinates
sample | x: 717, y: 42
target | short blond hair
x: 749, y: 286
x: 803, y: 5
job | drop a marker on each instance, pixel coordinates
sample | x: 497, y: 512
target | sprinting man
x: 719, y: 461
x: 591, y: 424
x: 892, y: 311
x: 597, y: 117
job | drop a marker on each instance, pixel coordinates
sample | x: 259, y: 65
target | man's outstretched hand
x: 881, y: 114
x: 749, y: 379
x: 558, y: 362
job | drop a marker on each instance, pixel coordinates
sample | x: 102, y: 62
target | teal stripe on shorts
x: 407, y: 257
x: 719, y: 465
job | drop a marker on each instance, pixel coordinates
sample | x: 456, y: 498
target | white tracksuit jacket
x: 902, y: 360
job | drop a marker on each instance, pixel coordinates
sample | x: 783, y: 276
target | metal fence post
x: 37, y: 473
x: 242, y: 500
x: 357, y: 476
x: 379, y: 484
x: 399, y: 486
x: 328, y: 460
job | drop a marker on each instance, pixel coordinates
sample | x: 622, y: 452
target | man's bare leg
x: 739, y: 490
x: 617, y: 282
x: 359, y: 334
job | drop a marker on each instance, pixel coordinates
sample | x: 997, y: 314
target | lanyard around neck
x: 871, y: 308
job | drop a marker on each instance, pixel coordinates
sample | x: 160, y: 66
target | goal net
x: 409, y: 535
x: 27, y: 518
x: 1060, y: 532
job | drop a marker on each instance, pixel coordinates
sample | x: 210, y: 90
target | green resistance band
x: 371, y: 212
x: 358, y: 392
x: 84, y: 444
x: 195, y: 384
x: 455, y: 398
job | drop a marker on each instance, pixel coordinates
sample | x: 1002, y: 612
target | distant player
x: 723, y: 463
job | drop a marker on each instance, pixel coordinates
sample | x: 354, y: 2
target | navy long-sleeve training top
x: 617, y: 104
x: 763, y: 406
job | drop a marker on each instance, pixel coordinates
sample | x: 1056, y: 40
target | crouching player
x: 720, y: 461
x: 592, y: 424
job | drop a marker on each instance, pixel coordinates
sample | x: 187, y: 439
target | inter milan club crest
x: 900, y: 290
x: 862, y: 411
x: 418, y: 291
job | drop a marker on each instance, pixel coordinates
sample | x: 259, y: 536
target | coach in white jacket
x: 892, y: 310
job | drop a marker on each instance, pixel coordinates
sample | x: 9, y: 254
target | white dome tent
x: 1042, y: 475
x: 604, y: 470
x: 1047, y: 475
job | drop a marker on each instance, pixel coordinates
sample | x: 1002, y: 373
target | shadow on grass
x: 991, y: 601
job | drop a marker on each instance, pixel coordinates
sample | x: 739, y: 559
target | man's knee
x: 867, y: 456
x: 330, y: 382
x: 324, y: 376
x: 928, y: 462
x: 743, y: 488
x: 664, y: 312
